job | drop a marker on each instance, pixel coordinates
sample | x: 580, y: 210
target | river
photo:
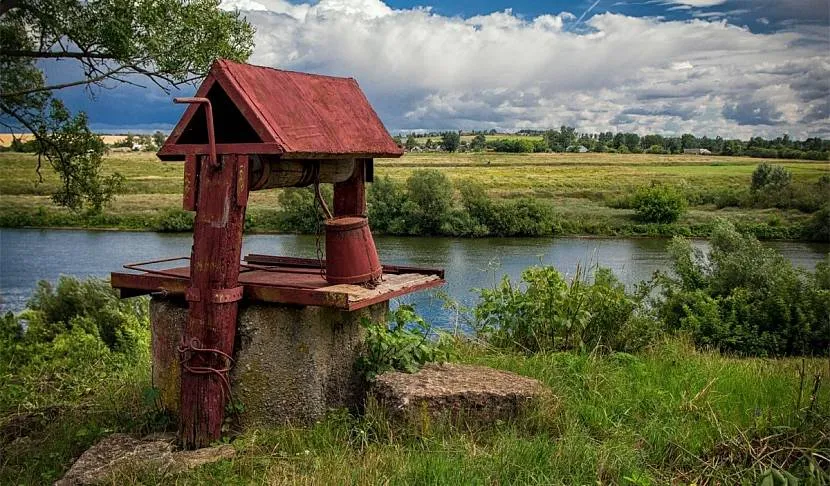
x: 29, y: 255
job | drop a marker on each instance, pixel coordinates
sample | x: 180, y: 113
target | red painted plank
x: 214, y: 268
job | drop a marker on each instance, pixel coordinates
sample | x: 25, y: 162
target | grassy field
x: 582, y: 188
x: 668, y: 415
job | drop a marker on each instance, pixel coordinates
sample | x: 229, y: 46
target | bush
x: 386, y: 201
x: 766, y: 175
x: 74, y: 313
x: 299, y: 212
x: 521, y: 217
x: 818, y: 228
x: 658, y: 204
x: 406, y: 343
x: 743, y: 297
x: 431, y: 193
x: 547, y: 313
x: 175, y: 221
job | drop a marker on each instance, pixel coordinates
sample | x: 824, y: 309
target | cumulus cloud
x: 422, y: 70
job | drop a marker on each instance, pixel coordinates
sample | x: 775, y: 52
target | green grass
x: 582, y: 188
x: 668, y: 415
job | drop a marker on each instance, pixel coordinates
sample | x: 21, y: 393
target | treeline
x: 567, y: 139
x: 428, y: 203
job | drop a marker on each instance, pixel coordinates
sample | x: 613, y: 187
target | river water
x: 29, y: 255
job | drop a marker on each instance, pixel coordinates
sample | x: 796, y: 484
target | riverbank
x: 585, y: 191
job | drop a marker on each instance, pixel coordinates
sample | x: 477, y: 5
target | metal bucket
x: 351, y: 256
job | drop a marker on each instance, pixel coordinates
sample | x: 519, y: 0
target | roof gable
x: 296, y: 114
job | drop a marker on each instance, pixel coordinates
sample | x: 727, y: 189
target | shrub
x: 175, y: 221
x: 658, y: 204
x: 743, y: 297
x: 74, y: 313
x: 386, y: 200
x: 406, y: 343
x: 656, y: 149
x: 545, y: 312
x: 766, y: 175
x: 431, y: 194
x: 299, y: 212
x: 818, y: 228
x: 521, y: 217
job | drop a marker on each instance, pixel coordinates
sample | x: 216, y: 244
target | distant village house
x: 697, y: 151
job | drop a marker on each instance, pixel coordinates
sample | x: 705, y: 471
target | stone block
x: 474, y: 394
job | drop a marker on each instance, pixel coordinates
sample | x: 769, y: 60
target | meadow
x: 584, y: 189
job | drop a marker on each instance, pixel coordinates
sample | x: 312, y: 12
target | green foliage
x: 56, y: 309
x: 74, y: 152
x: 818, y: 228
x: 743, y: 297
x: 545, y: 313
x: 386, y: 201
x: 450, y: 141
x: 405, y: 343
x: 478, y: 143
x: 658, y: 204
x: 299, y: 210
x: 430, y: 192
x: 175, y: 220
x: 161, y: 41
x: 770, y: 175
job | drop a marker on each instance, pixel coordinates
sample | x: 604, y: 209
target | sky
x: 735, y: 68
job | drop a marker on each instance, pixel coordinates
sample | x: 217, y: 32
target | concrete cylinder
x: 291, y: 363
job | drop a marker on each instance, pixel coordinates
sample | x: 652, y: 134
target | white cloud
x: 424, y: 70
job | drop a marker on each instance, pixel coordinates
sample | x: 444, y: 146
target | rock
x: 472, y: 393
x: 119, y: 450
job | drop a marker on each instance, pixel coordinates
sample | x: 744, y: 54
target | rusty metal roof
x: 297, y: 115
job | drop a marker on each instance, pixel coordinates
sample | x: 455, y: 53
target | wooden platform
x: 282, y: 280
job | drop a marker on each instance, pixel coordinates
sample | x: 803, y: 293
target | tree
x: 411, y: 142
x: 478, y: 142
x: 450, y: 141
x: 159, y: 138
x: 164, y: 42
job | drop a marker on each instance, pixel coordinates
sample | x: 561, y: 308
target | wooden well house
x: 252, y: 128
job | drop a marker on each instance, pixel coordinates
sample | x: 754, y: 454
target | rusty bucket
x: 351, y: 256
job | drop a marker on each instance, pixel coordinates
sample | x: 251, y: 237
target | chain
x: 318, y: 228
x: 188, y: 350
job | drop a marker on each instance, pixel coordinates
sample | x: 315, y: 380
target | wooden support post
x: 213, y: 297
x: 350, y: 195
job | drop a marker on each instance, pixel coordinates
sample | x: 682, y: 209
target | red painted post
x: 350, y: 195
x: 213, y: 297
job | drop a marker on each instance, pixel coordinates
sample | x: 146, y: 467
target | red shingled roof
x: 268, y: 110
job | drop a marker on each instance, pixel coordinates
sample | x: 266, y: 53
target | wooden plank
x: 190, y: 182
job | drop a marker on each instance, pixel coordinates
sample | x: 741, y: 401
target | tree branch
x: 38, y: 136
x: 96, y: 79
x: 55, y: 54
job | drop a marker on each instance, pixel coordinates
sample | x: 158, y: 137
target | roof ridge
x: 288, y: 71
